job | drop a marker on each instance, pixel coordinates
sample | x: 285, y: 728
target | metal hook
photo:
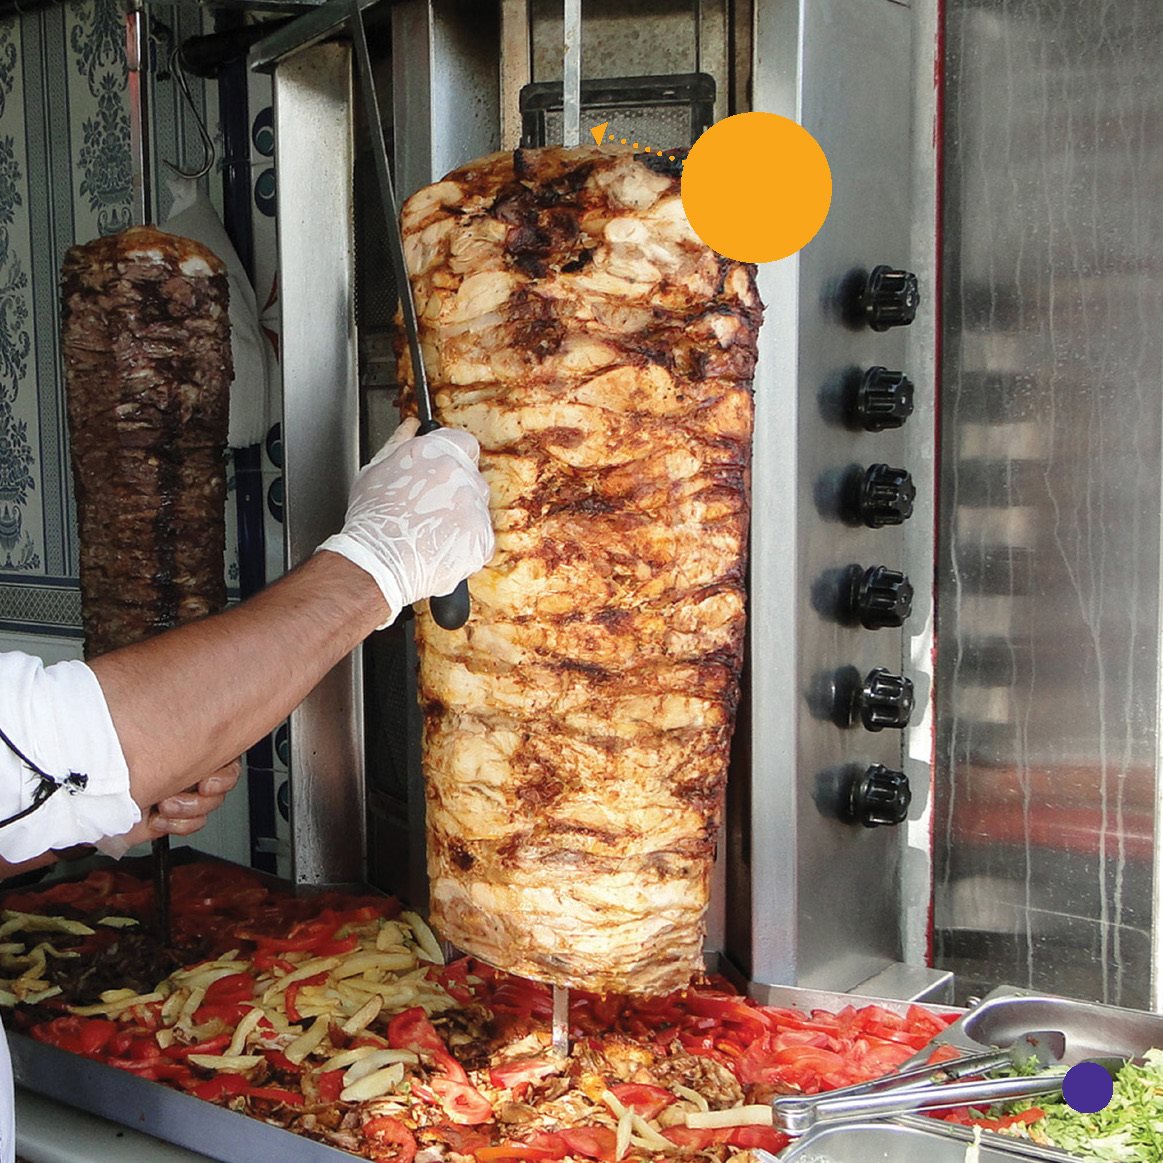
x: 210, y: 153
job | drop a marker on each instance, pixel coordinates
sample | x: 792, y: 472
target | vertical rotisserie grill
x: 577, y: 732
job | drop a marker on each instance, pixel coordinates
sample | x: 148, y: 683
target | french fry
x: 376, y: 1060
x: 307, y: 969
x: 191, y: 1004
x: 242, y: 1031
x: 364, y: 1016
x: 112, y: 1008
x: 646, y: 1136
x: 390, y: 937
x: 425, y: 938
x: 301, y: 1048
x: 231, y: 1063
x: 358, y: 965
x: 15, y: 922
x: 691, y: 1096
x: 622, y: 1138
x: 346, y: 1058
x: 375, y: 1084
x: 754, y: 1115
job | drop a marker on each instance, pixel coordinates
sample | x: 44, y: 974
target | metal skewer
x: 561, y: 1021
x: 571, y: 76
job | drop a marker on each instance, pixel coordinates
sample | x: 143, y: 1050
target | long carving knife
x: 449, y: 610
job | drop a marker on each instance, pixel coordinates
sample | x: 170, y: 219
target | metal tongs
x: 921, y: 1089
x: 450, y: 611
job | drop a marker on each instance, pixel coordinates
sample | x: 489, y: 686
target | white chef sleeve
x: 57, y: 716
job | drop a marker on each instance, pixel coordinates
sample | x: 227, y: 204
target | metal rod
x: 516, y: 68
x: 561, y: 1020
x: 571, y: 76
x: 137, y: 55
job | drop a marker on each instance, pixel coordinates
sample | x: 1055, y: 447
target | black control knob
x: 890, y: 298
x: 884, y: 399
x: 879, y: 797
x: 886, y: 496
x: 882, y: 598
x: 885, y: 700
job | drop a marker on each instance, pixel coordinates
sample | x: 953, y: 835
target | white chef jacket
x: 57, y: 716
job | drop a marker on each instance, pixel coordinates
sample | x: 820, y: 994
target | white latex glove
x: 418, y: 515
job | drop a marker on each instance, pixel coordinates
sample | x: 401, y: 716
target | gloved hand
x: 418, y: 515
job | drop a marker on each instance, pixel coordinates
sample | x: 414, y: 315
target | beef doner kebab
x: 146, y: 340
x: 576, y: 732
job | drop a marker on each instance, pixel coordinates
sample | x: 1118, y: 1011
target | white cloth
x: 192, y: 216
x: 57, y: 716
x: 418, y: 515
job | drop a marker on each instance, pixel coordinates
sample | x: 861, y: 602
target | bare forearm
x: 190, y: 700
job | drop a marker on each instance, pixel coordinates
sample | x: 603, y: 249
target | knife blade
x: 160, y: 849
x: 450, y: 611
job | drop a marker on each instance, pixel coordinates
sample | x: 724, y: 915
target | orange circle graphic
x: 756, y: 187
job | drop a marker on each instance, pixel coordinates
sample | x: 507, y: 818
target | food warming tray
x: 214, y: 1130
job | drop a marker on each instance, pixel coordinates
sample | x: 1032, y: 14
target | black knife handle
x: 449, y: 611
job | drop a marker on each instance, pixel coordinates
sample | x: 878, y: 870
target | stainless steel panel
x: 312, y: 102
x: 445, y: 74
x: 1048, y: 683
x: 824, y: 907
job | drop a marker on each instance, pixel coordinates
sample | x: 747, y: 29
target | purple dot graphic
x: 1087, y: 1087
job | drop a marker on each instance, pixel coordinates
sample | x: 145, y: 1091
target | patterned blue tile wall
x: 65, y: 177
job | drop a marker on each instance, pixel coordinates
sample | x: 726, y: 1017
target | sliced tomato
x: 222, y: 1085
x: 764, y: 1138
x: 280, y: 1062
x: 388, y: 1140
x: 697, y: 1138
x: 291, y: 995
x: 517, y: 995
x: 276, y: 1094
x: 592, y: 1142
x: 648, y: 1101
x: 411, y: 1030
x: 330, y: 1085
x: 519, y: 1151
x: 519, y: 1070
x: 462, y: 1102
x: 85, y: 1036
x: 213, y: 1045
x: 729, y: 1008
x: 230, y: 990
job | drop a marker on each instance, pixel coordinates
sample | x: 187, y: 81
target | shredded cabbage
x: 1128, y: 1130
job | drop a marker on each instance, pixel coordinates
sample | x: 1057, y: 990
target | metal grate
x: 663, y: 112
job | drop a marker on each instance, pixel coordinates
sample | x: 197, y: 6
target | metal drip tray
x: 910, y: 1141
x: 1092, y: 1030
x: 157, y: 1110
